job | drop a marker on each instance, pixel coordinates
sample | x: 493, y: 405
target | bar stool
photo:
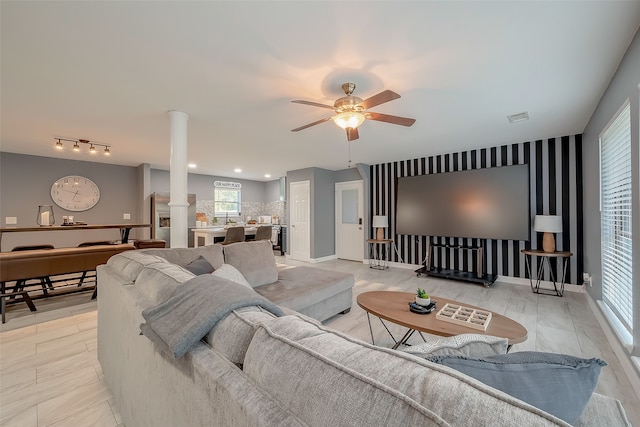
x: 264, y: 233
x: 233, y: 235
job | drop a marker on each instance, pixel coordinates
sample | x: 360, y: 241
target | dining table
x: 124, y: 229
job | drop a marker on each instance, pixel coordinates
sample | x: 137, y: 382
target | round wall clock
x: 75, y: 193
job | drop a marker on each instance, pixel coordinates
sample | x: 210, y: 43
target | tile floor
x: 50, y: 376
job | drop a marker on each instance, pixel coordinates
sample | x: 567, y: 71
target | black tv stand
x: 475, y: 277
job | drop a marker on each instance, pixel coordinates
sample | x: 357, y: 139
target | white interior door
x: 349, y: 220
x: 300, y: 218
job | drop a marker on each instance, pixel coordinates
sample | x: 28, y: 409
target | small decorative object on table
x: 422, y: 309
x: 422, y: 297
x: 465, y: 316
x: 45, y: 216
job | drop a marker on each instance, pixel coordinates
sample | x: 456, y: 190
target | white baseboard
x: 543, y: 283
x: 323, y: 259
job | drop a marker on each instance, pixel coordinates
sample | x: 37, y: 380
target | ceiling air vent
x: 515, y: 118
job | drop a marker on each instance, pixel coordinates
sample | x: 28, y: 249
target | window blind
x: 615, y: 199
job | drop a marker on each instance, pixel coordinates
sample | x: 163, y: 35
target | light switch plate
x: 11, y: 220
x: 126, y: 216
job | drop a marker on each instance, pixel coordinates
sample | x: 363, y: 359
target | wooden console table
x: 124, y: 229
x: 546, y: 260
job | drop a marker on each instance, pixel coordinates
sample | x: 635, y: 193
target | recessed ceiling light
x: 192, y: 165
x: 521, y: 117
x: 237, y: 170
x: 267, y: 175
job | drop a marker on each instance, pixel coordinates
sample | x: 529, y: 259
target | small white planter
x: 423, y: 301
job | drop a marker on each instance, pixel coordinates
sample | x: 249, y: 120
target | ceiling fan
x: 352, y: 111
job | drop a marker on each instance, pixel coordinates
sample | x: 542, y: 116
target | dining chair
x: 233, y: 235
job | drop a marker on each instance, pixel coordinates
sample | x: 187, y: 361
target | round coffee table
x: 394, y: 307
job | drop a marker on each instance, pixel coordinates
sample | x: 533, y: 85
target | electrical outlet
x: 126, y: 216
x: 586, y: 278
x: 11, y: 220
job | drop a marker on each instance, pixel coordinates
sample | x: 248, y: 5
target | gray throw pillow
x: 229, y: 272
x: 255, y: 260
x: 199, y: 266
x: 556, y: 383
x: 472, y: 345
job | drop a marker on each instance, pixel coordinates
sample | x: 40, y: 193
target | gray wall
x: 624, y: 86
x: 25, y: 183
x: 324, y: 207
x: 202, y: 186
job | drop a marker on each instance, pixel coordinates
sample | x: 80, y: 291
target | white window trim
x: 625, y: 336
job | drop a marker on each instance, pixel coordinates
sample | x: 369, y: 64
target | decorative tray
x: 465, y: 316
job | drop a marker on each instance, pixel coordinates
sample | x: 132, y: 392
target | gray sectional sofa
x: 256, y: 369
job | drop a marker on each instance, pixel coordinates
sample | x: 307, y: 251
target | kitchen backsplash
x: 249, y: 209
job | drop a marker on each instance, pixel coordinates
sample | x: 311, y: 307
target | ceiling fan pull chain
x: 349, y: 145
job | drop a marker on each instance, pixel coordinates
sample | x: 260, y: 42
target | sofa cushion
x: 255, y: 260
x: 131, y: 263
x: 229, y: 272
x: 300, y: 286
x: 473, y: 345
x: 348, y: 382
x: 556, y: 383
x: 183, y: 256
x: 199, y: 266
x: 157, y: 282
x: 232, y: 335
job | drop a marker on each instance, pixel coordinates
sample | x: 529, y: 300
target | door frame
x: 338, y: 215
x: 293, y: 229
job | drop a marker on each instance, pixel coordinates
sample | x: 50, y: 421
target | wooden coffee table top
x: 394, y: 307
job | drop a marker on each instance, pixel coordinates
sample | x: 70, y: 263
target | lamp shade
x: 548, y: 223
x: 380, y: 221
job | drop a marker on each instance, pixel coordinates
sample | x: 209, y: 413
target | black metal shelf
x: 475, y: 277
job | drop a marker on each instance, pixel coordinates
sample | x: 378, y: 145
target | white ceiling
x: 108, y: 71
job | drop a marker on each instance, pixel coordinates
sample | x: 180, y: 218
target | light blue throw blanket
x: 194, y: 308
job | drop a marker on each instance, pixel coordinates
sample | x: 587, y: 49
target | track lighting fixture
x: 77, y: 142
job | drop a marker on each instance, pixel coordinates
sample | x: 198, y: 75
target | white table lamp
x: 548, y: 224
x: 380, y: 222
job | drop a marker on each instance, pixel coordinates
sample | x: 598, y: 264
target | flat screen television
x: 490, y: 203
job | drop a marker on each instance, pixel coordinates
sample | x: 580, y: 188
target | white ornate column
x: 178, y: 179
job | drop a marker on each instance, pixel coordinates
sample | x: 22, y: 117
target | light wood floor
x: 50, y: 376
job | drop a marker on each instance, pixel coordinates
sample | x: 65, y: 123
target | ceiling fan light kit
x: 349, y: 119
x: 351, y: 111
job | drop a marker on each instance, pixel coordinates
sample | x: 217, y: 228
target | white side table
x: 379, y: 253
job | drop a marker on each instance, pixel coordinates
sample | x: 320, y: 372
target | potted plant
x: 422, y: 297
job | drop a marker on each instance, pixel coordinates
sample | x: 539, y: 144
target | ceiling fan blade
x: 311, y: 124
x: 403, y: 121
x: 352, y: 134
x: 378, y: 99
x: 314, y: 104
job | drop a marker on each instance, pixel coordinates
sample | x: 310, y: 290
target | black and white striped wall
x: 555, y: 167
